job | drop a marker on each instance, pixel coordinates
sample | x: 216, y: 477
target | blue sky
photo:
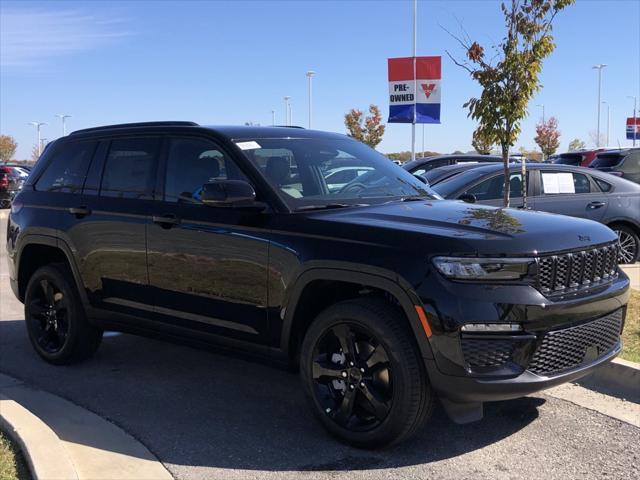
x: 218, y: 62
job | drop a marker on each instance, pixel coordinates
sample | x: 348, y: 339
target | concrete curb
x: 633, y: 272
x: 64, y: 441
x: 618, y: 378
x: 40, y: 446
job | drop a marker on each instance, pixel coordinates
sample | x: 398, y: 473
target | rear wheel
x: 364, y: 375
x: 629, y: 244
x: 55, y: 318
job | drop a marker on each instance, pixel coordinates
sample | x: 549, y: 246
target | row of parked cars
x: 608, y: 191
x: 12, y: 177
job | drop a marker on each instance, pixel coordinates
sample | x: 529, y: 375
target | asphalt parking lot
x: 206, y: 415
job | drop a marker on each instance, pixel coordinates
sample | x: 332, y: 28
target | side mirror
x: 228, y: 193
x: 468, y: 198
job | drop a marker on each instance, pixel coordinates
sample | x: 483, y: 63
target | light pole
x: 542, y: 106
x: 38, y: 125
x: 287, y: 110
x: 63, y: 117
x: 273, y: 117
x: 310, y: 75
x: 599, y: 67
x: 634, y: 118
x: 608, y: 118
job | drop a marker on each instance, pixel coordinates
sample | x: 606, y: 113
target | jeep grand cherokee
x: 383, y: 295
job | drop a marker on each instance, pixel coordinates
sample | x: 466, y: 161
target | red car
x: 578, y: 158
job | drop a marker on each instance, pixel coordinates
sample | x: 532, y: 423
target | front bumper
x: 513, y: 365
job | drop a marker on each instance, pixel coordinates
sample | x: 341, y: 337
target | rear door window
x: 558, y: 183
x: 130, y: 168
x: 68, y: 168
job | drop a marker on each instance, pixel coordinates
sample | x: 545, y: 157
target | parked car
x: 622, y: 163
x: 336, y: 178
x: 11, y: 181
x: 577, y: 158
x: 384, y: 296
x: 574, y: 191
x: 22, y: 166
x: 419, y: 166
x: 440, y: 174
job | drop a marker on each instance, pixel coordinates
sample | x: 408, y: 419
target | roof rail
x: 289, y: 126
x: 135, y: 125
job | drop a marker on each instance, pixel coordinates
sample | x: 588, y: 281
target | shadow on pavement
x: 192, y: 407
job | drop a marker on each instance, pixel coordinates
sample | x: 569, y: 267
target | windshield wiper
x: 328, y: 206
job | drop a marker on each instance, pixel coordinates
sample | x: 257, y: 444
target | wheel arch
x: 349, y: 282
x: 40, y: 250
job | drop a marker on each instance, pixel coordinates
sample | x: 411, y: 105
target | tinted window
x: 569, y: 159
x: 607, y: 160
x: 129, y: 170
x: 554, y: 183
x: 493, y: 188
x: 631, y: 163
x: 67, y: 170
x: 191, y: 163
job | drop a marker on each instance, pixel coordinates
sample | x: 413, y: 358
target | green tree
x: 8, y: 146
x: 370, y: 130
x: 577, y: 144
x: 481, y: 142
x: 548, y: 136
x: 510, y: 77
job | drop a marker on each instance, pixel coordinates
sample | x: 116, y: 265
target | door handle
x: 594, y: 205
x: 166, y: 221
x: 80, y: 212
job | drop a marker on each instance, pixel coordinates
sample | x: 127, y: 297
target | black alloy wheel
x: 48, y: 316
x: 352, y: 377
x: 363, y: 373
x: 55, y: 318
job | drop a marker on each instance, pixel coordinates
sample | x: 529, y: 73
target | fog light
x: 491, y: 327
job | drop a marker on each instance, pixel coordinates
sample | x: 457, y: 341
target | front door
x: 207, y: 265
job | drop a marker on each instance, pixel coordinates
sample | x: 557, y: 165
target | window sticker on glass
x: 558, y: 183
x: 252, y: 145
x: 550, y: 183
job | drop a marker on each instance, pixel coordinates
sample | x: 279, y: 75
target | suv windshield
x: 330, y: 172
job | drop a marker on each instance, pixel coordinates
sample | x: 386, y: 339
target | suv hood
x: 454, y: 226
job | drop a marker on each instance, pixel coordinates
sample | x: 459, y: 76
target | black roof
x: 233, y: 132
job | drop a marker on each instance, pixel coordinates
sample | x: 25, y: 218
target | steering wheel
x: 353, y: 187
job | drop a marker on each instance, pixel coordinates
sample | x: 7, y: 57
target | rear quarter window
x: 67, y: 170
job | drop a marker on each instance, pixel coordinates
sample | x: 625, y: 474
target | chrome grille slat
x: 577, y: 270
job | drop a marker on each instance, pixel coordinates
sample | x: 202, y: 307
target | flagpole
x: 415, y: 82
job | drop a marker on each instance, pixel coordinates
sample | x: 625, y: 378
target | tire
x: 629, y: 243
x: 394, y: 375
x: 60, y: 335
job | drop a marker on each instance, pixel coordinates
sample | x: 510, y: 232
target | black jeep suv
x: 382, y: 294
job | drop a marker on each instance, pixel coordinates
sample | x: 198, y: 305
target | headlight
x: 460, y: 268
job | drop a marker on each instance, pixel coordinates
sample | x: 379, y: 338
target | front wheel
x: 363, y: 374
x: 629, y: 244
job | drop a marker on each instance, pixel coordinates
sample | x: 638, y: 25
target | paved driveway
x: 206, y: 415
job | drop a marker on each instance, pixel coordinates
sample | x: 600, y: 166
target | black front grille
x: 568, y: 348
x: 577, y: 270
x: 486, y: 353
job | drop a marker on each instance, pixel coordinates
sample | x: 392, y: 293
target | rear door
x: 207, y: 265
x: 107, y: 225
x: 569, y: 193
